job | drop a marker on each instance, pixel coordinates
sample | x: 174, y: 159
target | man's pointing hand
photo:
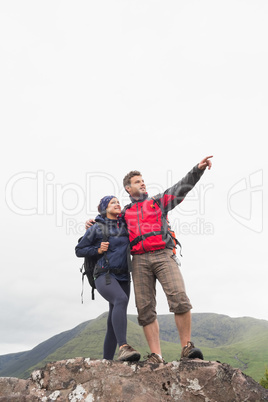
x: 206, y: 162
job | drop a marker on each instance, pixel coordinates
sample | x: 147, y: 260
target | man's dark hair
x: 128, y: 177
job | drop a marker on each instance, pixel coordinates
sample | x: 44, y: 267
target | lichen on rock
x: 83, y: 379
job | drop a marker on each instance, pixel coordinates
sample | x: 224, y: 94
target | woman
x: 111, y: 274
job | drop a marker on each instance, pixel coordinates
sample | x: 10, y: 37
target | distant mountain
x: 16, y: 364
x: 240, y: 342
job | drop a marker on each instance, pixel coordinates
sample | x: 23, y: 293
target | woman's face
x: 113, y: 207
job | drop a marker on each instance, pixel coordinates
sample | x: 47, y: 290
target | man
x: 153, y: 258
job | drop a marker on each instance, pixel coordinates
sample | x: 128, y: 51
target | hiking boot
x: 127, y: 353
x: 191, y: 352
x: 154, y: 358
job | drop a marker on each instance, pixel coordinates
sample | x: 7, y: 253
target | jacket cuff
x: 200, y: 171
x: 95, y: 250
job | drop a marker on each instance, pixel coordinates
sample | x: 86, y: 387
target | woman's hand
x: 103, y: 247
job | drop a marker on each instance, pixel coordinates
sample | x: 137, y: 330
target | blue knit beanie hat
x: 104, y: 204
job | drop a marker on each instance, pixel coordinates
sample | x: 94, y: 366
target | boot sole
x: 131, y: 358
x: 195, y: 354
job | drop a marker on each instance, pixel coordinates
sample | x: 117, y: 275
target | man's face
x: 137, y: 187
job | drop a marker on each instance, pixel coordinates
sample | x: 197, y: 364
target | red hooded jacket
x: 146, y: 218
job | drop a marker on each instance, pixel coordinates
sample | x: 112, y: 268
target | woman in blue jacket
x: 111, y: 274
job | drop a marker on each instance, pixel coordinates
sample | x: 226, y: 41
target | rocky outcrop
x: 88, y: 380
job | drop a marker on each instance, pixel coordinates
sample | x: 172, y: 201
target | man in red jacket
x: 153, y: 258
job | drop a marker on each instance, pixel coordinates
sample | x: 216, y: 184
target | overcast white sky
x: 93, y: 89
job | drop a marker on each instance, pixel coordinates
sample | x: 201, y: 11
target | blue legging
x: 117, y: 294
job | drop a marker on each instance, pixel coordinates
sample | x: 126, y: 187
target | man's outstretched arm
x: 176, y: 193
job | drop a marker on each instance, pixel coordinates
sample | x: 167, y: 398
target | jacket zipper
x: 139, y: 224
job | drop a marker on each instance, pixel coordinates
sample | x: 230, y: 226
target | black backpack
x: 89, y: 263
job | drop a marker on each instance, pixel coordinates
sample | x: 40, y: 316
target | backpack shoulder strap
x: 169, y: 230
x: 124, y: 210
x: 159, y: 203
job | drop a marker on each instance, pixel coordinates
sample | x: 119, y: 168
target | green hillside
x: 240, y: 342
